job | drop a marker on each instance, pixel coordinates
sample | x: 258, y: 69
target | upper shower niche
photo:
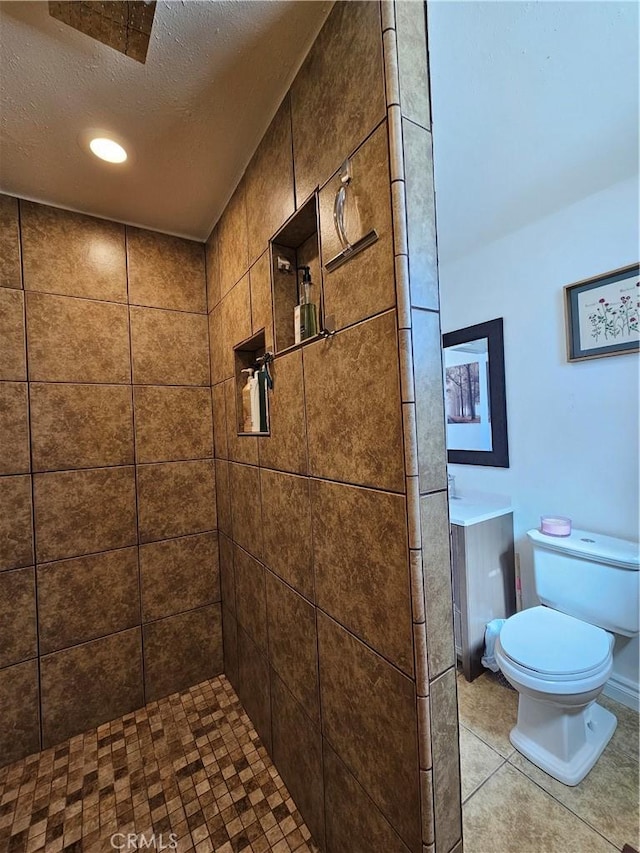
x: 295, y: 246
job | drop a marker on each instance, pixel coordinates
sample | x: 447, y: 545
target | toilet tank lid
x: 622, y: 553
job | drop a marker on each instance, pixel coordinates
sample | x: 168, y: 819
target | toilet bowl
x: 559, y: 666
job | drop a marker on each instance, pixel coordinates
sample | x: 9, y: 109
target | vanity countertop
x: 472, y: 508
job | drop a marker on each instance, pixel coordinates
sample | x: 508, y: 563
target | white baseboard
x: 624, y: 691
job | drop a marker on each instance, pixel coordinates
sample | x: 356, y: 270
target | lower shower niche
x: 252, y: 385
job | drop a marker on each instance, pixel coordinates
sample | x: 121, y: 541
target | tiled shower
x: 140, y: 534
x: 108, y: 486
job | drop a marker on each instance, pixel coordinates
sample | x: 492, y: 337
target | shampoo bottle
x: 247, y: 420
x: 262, y: 390
x: 308, y: 310
x: 255, y: 403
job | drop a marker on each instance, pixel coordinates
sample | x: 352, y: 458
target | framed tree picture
x: 602, y: 314
x: 475, y: 398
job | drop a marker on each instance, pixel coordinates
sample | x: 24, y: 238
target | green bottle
x: 308, y: 310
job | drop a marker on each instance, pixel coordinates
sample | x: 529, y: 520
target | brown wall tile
x: 413, y: 68
x: 355, y: 430
x: 233, y: 250
x: 77, y: 340
x: 172, y: 423
x: 80, y: 426
x: 244, y: 483
x: 293, y: 643
x: 13, y: 363
x: 230, y: 642
x: 338, y: 96
x: 169, y: 347
x: 427, y: 361
x: 179, y: 574
x: 165, y: 271
x: 241, y: 448
x: 72, y: 254
x: 353, y: 821
x: 16, y: 522
x: 211, y: 254
x: 286, y: 448
x: 253, y: 686
x: 236, y: 322
x: 217, y: 349
x: 19, y: 711
x: 86, y: 598
x: 366, y: 285
x: 14, y: 428
x: 436, y: 568
x: 182, y: 650
x: 361, y: 565
x: 369, y: 716
x: 219, y: 420
x: 216, y: 345
x: 223, y: 496
x: 81, y: 512
x: 10, y: 272
x: 175, y: 499
x: 17, y: 617
x: 421, y: 216
x: 261, y: 303
x: 446, y: 760
x: 106, y: 673
x: 297, y: 753
x: 286, y: 525
x: 227, y: 573
x: 251, y: 601
x: 269, y: 182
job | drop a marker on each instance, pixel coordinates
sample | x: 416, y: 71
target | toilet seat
x: 553, y: 646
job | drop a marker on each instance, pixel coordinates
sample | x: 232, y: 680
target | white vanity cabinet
x: 483, y: 568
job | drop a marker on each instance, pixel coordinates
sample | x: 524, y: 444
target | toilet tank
x: 589, y: 576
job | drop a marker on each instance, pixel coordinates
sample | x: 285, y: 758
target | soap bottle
x: 247, y: 420
x: 308, y: 310
x: 262, y: 399
x: 255, y: 402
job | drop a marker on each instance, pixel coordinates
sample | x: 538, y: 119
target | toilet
x: 559, y: 655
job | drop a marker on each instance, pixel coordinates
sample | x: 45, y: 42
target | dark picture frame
x: 602, y: 314
x: 495, y: 407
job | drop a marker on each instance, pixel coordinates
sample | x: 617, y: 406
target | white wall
x: 573, y: 428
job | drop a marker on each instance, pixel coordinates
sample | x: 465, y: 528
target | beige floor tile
x: 606, y: 799
x: 627, y: 733
x: 489, y: 710
x: 510, y: 813
x: 477, y: 762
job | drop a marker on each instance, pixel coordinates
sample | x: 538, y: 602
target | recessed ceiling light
x: 107, y: 149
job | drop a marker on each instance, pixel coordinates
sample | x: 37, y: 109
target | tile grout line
x: 32, y: 483
x: 135, y: 468
x: 553, y: 797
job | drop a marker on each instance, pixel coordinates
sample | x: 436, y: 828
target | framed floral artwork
x: 603, y: 314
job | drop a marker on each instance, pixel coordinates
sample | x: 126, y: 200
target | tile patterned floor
x: 509, y: 804
x: 190, y: 764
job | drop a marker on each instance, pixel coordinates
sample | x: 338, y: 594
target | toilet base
x: 564, y: 742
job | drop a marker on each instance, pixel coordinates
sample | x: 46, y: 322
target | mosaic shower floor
x: 189, y: 770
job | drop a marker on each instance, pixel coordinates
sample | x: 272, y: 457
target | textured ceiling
x: 535, y: 106
x: 190, y: 118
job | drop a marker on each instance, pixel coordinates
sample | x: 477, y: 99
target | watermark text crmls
x: 126, y: 841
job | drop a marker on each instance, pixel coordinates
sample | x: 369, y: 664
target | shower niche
x: 250, y: 355
x: 294, y: 246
